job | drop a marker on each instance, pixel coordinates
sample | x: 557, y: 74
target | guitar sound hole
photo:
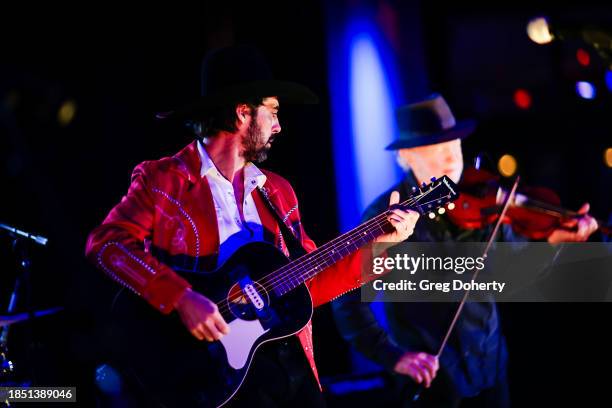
x: 240, y: 304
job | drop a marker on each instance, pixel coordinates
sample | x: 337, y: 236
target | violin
x: 534, y: 212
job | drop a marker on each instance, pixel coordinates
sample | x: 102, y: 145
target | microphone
x: 36, y: 238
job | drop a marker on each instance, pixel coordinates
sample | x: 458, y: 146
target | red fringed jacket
x: 167, y: 222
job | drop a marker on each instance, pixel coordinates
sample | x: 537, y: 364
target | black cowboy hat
x: 428, y: 122
x: 237, y: 74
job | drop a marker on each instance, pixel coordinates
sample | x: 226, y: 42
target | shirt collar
x: 251, y: 171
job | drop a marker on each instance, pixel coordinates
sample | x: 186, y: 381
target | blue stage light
x: 609, y: 80
x: 364, y: 92
x: 586, y: 90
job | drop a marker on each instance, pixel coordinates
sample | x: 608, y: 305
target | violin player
x: 474, y: 364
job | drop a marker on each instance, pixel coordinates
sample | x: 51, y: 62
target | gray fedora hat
x: 427, y: 122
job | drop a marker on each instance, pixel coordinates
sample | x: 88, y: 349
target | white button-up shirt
x: 233, y: 231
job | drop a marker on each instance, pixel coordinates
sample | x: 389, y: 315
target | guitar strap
x: 294, y: 246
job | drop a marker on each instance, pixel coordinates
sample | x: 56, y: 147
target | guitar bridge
x: 248, y: 288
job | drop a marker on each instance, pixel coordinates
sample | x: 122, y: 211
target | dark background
x: 122, y: 65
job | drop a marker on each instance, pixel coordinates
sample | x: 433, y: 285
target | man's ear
x: 242, y: 111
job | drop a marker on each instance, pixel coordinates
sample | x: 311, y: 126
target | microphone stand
x: 20, y: 241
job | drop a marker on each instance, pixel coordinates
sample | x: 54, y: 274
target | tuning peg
x: 414, y: 189
x: 433, y: 179
x: 431, y: 215
x: 424, y: 184
x: 441, y: 210
x: 451, y: 206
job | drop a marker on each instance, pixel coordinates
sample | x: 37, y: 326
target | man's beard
x: 254, y: 148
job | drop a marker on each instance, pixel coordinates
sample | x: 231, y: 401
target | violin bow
x: 418, y: 390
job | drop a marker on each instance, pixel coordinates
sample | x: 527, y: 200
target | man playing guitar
x: 191, y: 212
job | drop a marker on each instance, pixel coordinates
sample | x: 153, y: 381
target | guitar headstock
x: 437, y: 196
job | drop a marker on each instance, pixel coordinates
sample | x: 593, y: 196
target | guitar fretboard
x: 306, y: 267
x: 309, y: 265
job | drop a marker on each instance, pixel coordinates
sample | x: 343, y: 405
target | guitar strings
x: 298, y: 272
x: 298, y: 263
x: 295, y: 271
x: 287, y: 275
x: 283, y: 277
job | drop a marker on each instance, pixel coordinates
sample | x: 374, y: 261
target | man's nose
x: 276, y: 127
x: 449, y: 155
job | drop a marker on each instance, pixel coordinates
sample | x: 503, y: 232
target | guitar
x: 262, y: 296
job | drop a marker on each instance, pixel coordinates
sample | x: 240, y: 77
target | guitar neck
x: 306, y: 267
x: 427, y: 198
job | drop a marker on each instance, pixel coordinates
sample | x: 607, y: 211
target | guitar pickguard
x: 239, y: 342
